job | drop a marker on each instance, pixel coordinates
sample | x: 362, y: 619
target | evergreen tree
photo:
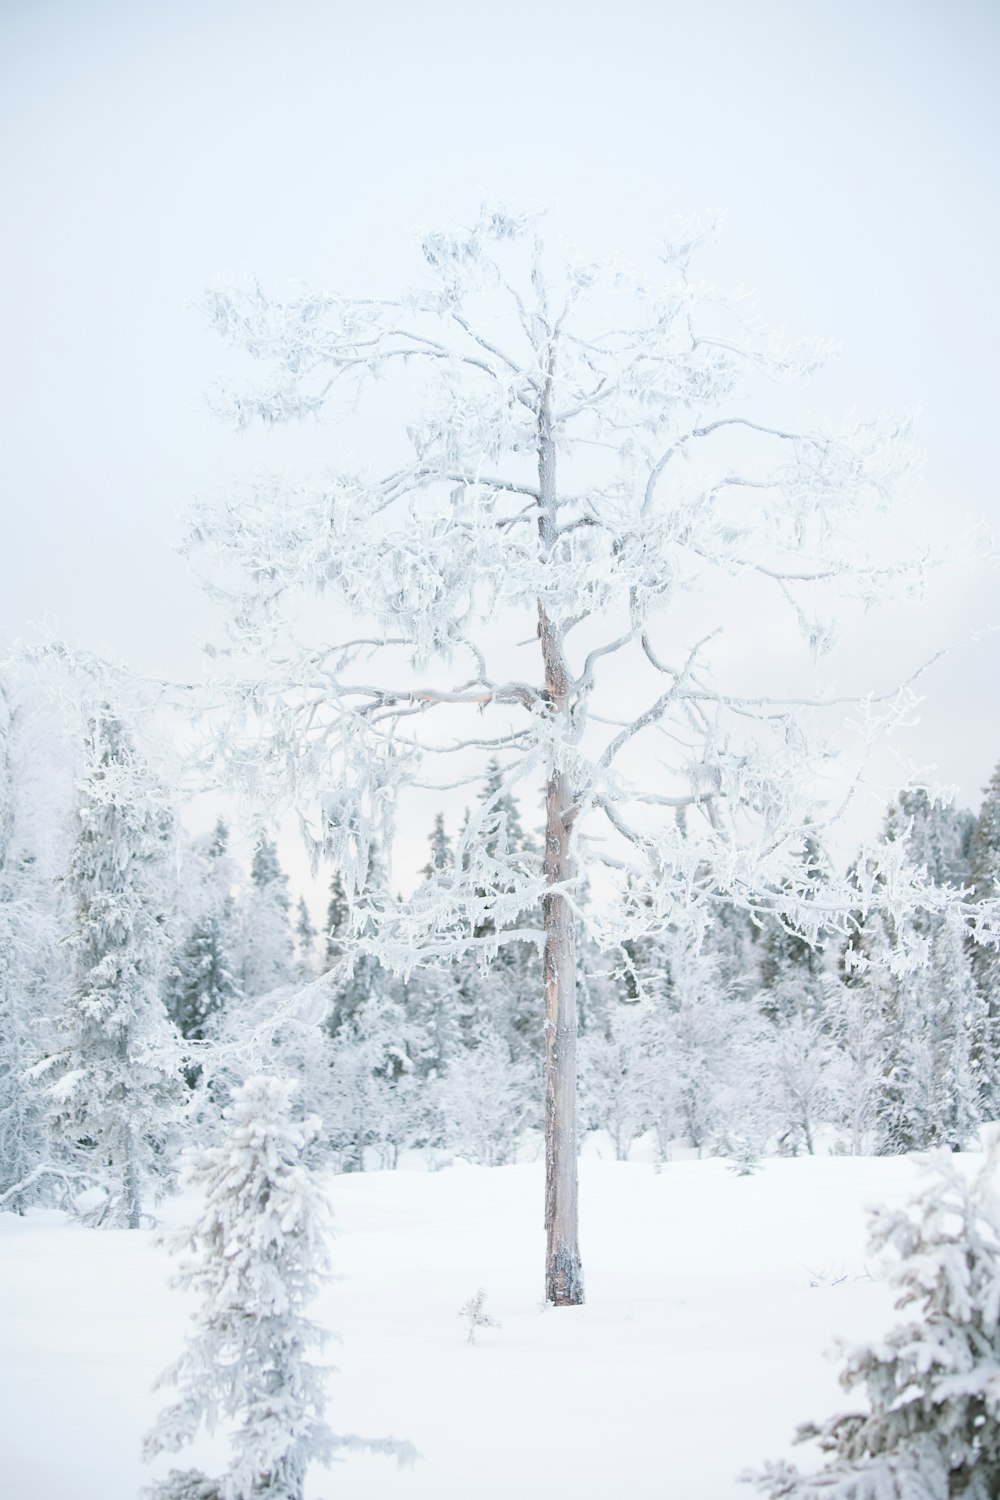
x: 499, y: 990
x: 984, y: 875
x: 31, y: 925
x: 267, y: 940
x: 442, y: 855
x: 338, y: 921
x: 431, y: 995
x: 202, y: 980
x: 114, y: 1103
x: 913, y: 969
x: 305, y: 938
x: 257, y: 1254
x: 362, y: 979
x: 932, y: 1428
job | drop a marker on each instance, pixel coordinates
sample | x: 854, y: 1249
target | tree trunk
x: 563, y: 1274
x: 131, y: 1188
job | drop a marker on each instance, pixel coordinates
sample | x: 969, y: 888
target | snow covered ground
x: 711, y: 1300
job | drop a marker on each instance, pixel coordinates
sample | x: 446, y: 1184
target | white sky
x: 149, y: 149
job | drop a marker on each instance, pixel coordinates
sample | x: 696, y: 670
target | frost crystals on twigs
x: 474, y: 1315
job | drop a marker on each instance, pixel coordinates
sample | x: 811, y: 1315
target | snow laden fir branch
x: 576, y: 497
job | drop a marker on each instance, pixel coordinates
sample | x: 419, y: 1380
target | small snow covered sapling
x: 257, y: 1253
x: 933, y: 1428
x: 474, y: 1315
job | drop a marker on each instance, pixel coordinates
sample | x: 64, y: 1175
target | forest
x: 636, y: 935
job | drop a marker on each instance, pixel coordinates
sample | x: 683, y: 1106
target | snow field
x: 711, y: 1299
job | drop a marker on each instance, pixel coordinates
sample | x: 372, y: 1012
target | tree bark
x: 563, y: 1272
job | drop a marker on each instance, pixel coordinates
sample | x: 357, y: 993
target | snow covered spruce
x: 257, y: 1254
x: 932, y: 1431
x: 576, y: 501
x: 117, y: 1099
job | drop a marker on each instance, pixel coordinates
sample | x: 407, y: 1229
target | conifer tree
x: 914, y: 969
x: 257, y: 1254
x: 202, y: 980
x: 984, y: 876
x: 432, y: 994
x: 267, y: 941
x: 305, y: 938
x: 32, y: 971
x: 442, y: 855
x: 338, y: 921
x: 501, y: 995
x: 113, y: 1106
x: 931, y: 1430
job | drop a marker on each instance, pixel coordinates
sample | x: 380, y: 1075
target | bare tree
x: 581, y: 466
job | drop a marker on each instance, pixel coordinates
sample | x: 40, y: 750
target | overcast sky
x: 148, y: 149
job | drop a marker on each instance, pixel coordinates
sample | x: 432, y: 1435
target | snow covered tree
x: 432, y: 995
x: 984, y: 875
x: 114, y: 1101
x: 36, y: 773
x: 932, y: 1428
x: 442, y: 854
x: 305, y: 939
x: 202, y: 979
x: 338, y: 921
x: 257, y: 1255
x: 267, y: 933
x: 582, y: 461
x: 912, y: 965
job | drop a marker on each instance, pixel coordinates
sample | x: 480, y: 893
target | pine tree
x: 914, y: 970
x: 257, y: 1254
x: 984, y: 875
x: 267, y: 941
x: 432, y: 994
x: 202, y: 981
x: 496, y: 529
x: 338, y: 921
x: 362, y: 979
x: 442, y: 855
x: 500, y: 989
x: 113, y: 1106
x: 305, y: 938
x: 932, y: 1428
x: 31, y: 967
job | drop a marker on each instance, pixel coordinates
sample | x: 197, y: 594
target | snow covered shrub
x: 933, y: 1384
x: 616, y: 1066
x: 475, y: 1316
x: 257, y: 1253
x: 485, y: 1100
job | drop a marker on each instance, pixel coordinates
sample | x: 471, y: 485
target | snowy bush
x: 933, y: 1428
x: 485, y: 1102
x: 475, y: 1315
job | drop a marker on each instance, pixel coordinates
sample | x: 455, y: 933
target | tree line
x: 145, y: 975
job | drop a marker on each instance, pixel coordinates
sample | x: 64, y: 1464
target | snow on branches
x: 515, y: 367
